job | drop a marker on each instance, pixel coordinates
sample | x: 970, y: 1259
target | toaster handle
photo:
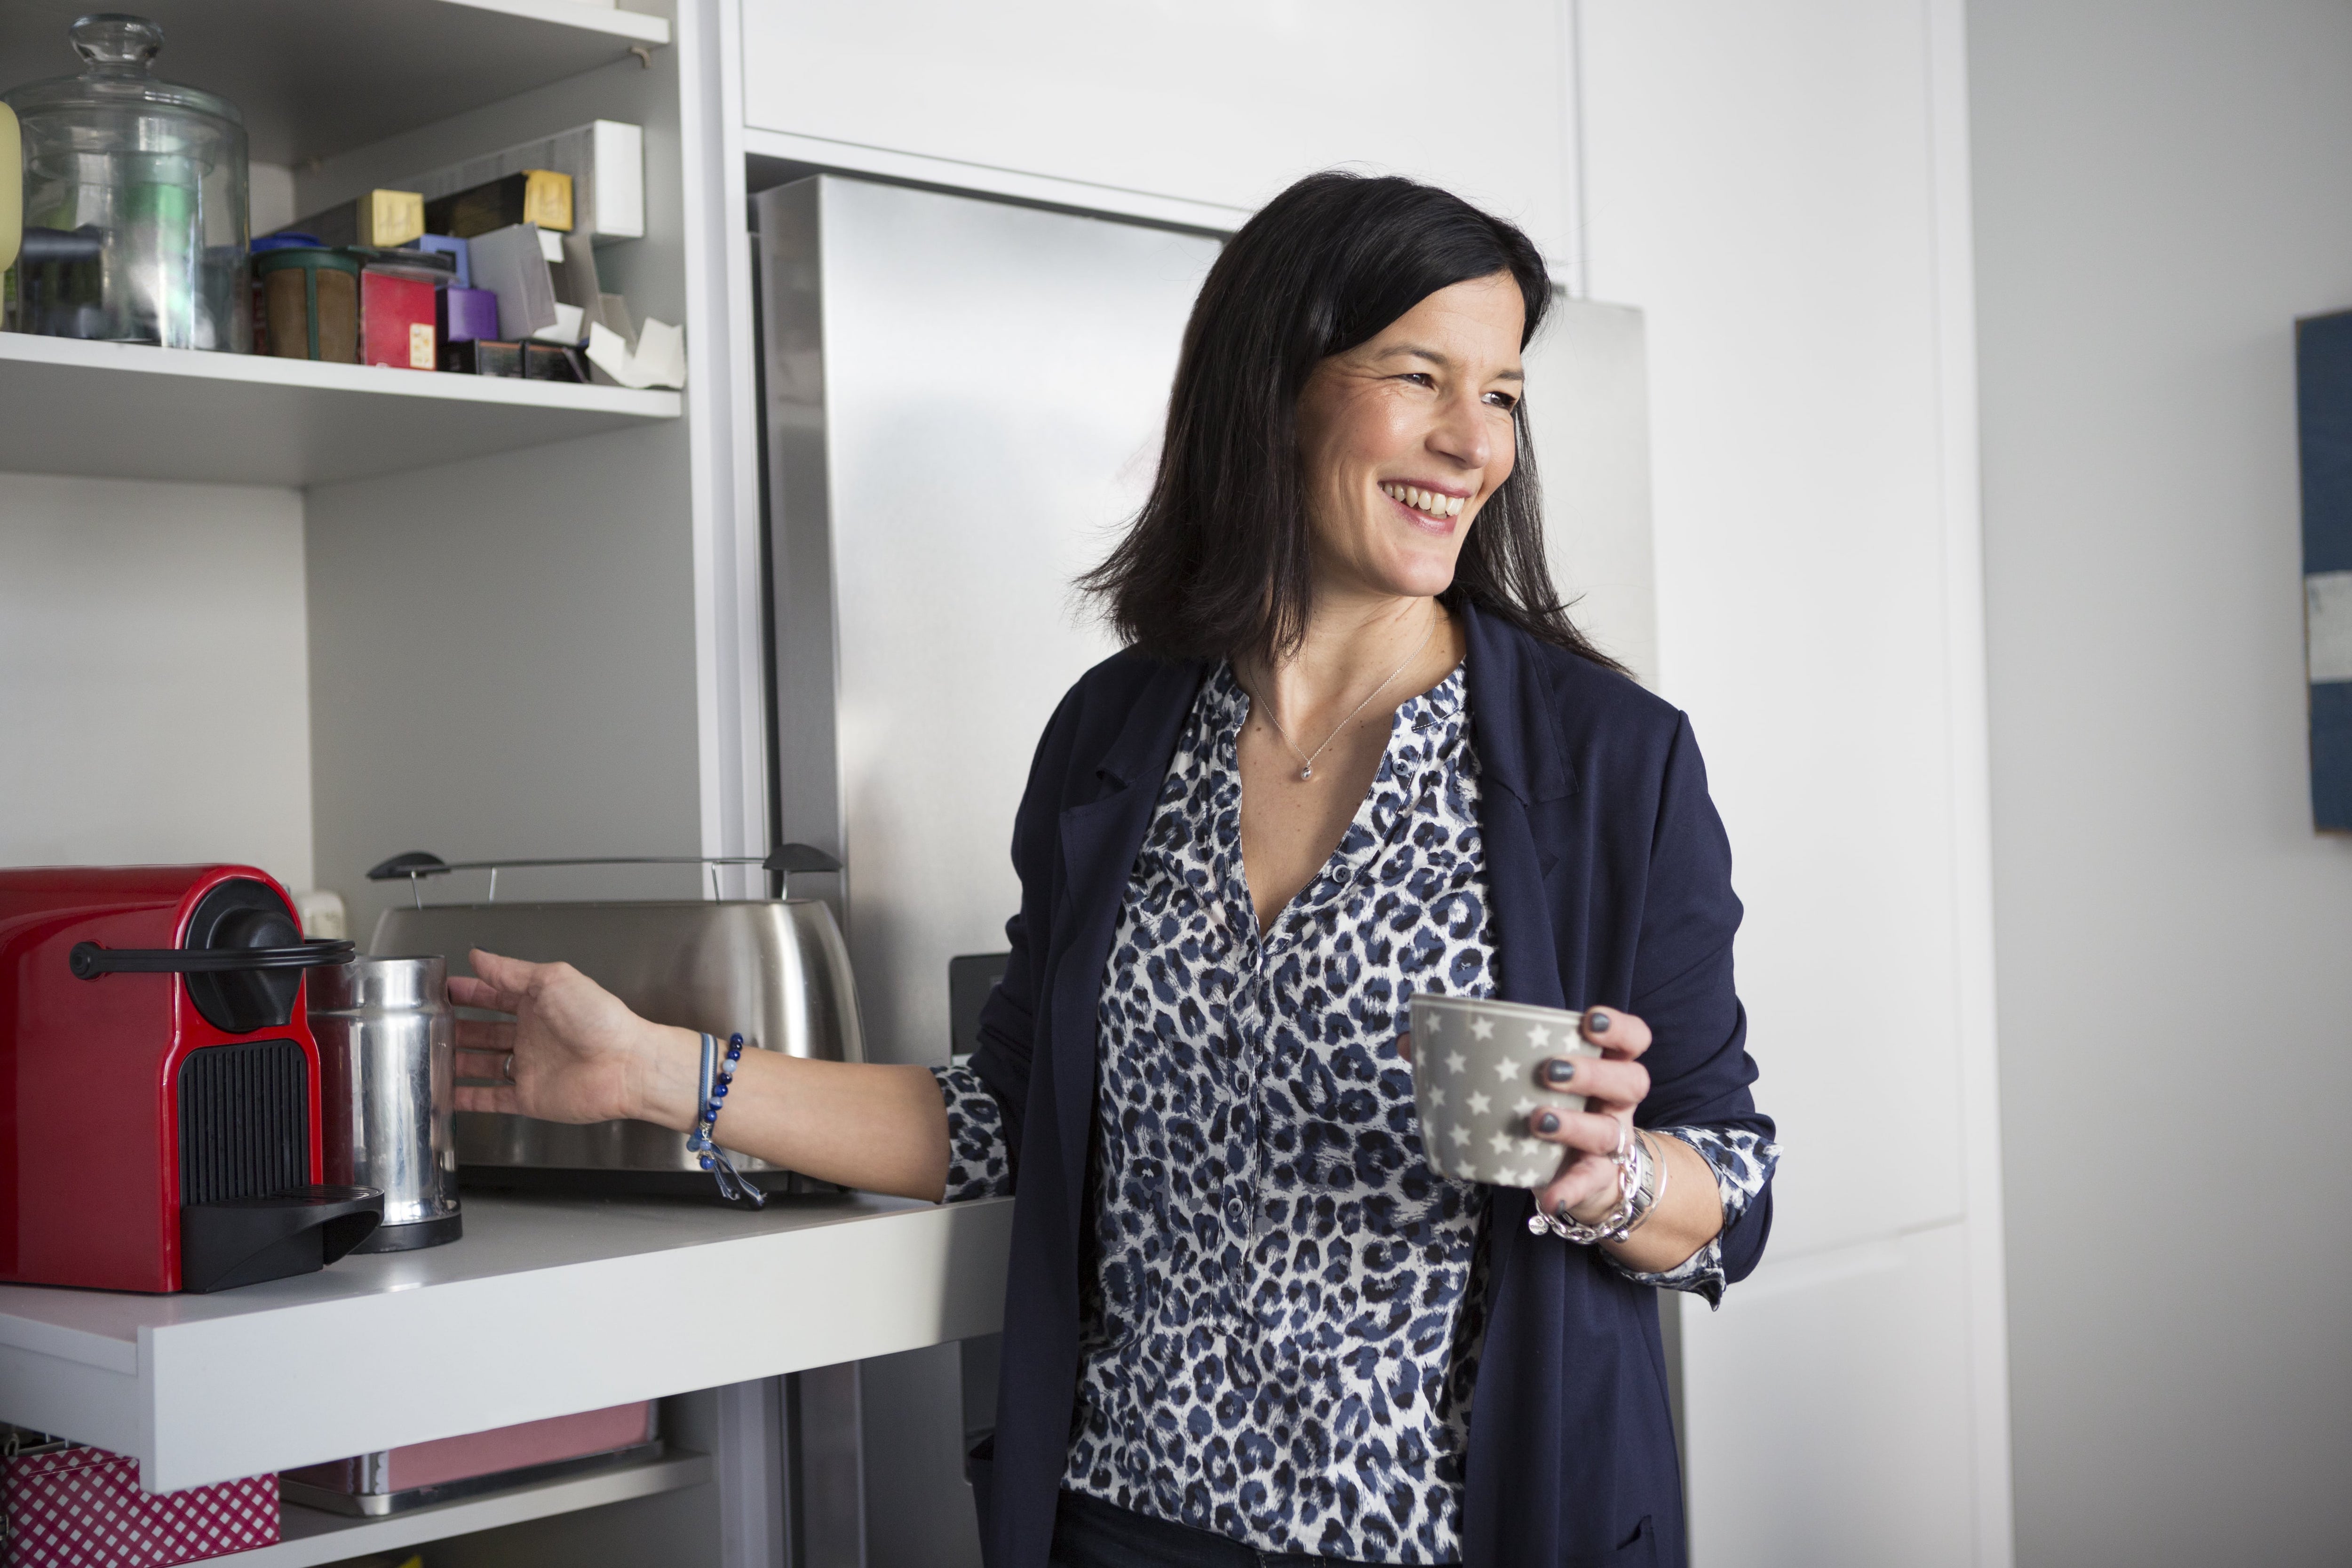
x: 89, y: 961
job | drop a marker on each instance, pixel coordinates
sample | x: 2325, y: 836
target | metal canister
x: 387, y: 1090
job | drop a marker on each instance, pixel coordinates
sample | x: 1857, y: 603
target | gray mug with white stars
x: 1474, y: 1078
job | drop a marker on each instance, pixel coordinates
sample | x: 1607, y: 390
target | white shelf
x: 545, y: 1307
x: 316, y: 78
x: 127, y: 411
x: 310, y: 1536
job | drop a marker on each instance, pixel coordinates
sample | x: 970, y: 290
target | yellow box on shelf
x: 388, y: 219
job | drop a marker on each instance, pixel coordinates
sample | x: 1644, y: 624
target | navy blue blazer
x: 1610, y: 883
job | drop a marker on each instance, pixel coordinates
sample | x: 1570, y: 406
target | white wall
x: 1782, y: 190
x: 2160, y: 190
x: 1214, y: 101
x: 154, y: 688
x: 503, y: 664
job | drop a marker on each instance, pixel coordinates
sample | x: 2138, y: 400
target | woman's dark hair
x: 1218, y: 560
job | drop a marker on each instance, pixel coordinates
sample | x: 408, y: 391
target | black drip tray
x: 243, y: 1241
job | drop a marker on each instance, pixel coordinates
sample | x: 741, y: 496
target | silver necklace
x: 1306, y: 759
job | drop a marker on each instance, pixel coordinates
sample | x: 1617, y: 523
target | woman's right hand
x: 577, y: 1052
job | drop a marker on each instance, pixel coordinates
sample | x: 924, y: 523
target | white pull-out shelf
x: 545, y: 1307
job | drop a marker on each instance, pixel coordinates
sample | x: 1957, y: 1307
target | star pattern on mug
x: 1506, y: 1069
x: 1539, y: 1036
x: 1484, y: 1028
x: 1500, y: 1142
x: 1436, y: 1096
x: 1461, y: 1136
x: 1478, y: 1104
x: 1456, y: 1062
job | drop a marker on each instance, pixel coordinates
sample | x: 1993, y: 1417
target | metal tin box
x: 387, y: 1064
x: 394, y: 1480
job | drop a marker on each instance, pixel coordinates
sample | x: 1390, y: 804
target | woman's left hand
x: 1612, y: 1084
x: 1688, y: 1213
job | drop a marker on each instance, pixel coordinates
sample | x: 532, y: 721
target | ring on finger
x: 506, y: 1067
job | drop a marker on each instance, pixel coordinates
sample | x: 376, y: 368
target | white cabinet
x: 167, y: 515
x: 1220, y: 102
x: 1783, y: 190
x: 476, y: 458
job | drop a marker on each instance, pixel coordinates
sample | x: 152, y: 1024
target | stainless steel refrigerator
x: 962, y: 403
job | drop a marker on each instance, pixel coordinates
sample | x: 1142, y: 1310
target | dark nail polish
x: 1558, y: 1072
x: 1548, y: 1122
x: 1562, y: 1210
x: 1596, y: 1023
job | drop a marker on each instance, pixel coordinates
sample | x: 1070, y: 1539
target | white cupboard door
x: 1222, y: 102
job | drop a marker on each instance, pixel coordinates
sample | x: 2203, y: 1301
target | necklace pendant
x: 1306, y: 772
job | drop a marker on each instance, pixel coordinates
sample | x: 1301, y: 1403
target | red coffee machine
x: 158, y: 1087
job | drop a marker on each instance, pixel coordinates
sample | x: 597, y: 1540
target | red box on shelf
x: 396, y: 320
x: 74, y: 1507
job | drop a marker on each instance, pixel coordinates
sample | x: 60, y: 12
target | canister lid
x: 120, y: 51
x: 370, y: 984
x: 309, y: 258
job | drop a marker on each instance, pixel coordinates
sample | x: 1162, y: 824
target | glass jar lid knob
x: 112, y: 41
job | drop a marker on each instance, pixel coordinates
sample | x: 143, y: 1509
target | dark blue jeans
x: 1091, y: 1533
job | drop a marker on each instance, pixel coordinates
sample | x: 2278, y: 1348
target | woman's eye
x: 1503, y: 400
x: 1419, y: 378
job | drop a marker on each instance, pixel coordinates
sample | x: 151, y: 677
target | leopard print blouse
x: 1282, y: 1326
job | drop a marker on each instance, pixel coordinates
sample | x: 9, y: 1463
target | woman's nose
x: 1462, y: 434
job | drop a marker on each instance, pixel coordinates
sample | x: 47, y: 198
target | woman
x: 1355, y: 751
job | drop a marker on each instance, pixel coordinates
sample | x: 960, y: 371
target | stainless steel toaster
x: 773, y: 970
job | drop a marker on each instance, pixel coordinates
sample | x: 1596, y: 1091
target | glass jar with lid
x: 134, y: 201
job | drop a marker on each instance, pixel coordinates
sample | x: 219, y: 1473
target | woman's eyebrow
x: 1444, y: 362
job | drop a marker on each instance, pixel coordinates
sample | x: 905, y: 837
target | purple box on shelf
x: 468, y: 314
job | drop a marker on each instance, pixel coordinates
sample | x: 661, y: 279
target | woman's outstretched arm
x: 581, y: 1054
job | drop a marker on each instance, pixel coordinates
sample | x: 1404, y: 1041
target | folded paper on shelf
x: 657, y: 360
x: 567, y: 325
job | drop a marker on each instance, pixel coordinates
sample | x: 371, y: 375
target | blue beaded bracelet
x: 717, y: 1074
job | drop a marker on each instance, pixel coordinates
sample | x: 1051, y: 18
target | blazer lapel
x: 1516, y: 731
x: 1522, y: 762
x: 1100, y: 838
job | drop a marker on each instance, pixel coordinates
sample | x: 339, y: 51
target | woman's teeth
x: 1428, y: 502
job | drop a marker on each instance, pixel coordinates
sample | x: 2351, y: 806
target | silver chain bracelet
x: 1641, y: 1183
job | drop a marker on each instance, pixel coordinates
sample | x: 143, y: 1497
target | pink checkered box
x: 73, y: 1507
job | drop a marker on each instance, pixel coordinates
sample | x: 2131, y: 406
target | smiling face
x: 1404, y: 438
